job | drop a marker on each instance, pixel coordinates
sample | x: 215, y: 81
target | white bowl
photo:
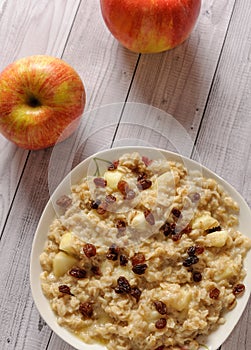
x: 215, y: 339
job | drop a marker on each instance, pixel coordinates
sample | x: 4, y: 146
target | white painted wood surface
x: 204, y: 86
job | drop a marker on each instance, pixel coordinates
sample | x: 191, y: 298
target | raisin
x: 95, y: 204
x: 149, y: 217
x: 130, y: 195
x: 89, y: 250
x: 239, y: 289
x: 191, y: 250
x: 146, y: 161
x: 102, y: 209
x: 139, y: 269
x: 110, y: 199
x: 123, y: 187
x: 161, y: 323
x: 121, y: 225
x: 123, y: 260
x: 113, y: 166
x: 95, y: 270
x: 64, y: 202
x: 195, y: 197
x: 177, y: 236
x: 77, y: 272
x: 113, y: 253
x: 161, y: 347
x: 195, y: 249
x: 123, y: 286
x: 191, y: 260
x: 65, y: 289
x: 168, y: 228
x: 141, y: 176
x: 86, y: 309
x: 144, y: 184
x: 176, y: 212
x: 138, y: 258
x: 160, y: 307
x: 214, y: 293
x: 136, y: 293
x: 213, y: 229
x: 197, y: 277
x: 100, y: 182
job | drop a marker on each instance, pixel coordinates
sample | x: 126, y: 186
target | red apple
x: 147, y: 26
x: 41, y: 99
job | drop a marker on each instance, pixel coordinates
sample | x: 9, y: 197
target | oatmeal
x: 145, y: 256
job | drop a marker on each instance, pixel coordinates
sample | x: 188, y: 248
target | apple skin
x: 150, y: 26
x: 42, y: 99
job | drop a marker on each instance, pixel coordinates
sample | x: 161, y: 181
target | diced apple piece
x: 66, y: 243
x: 228, y: 272
x: 181, y: 300
x: 139, y: 222
x: 62, y: 263
x: 205, y: 222
x: 216, y: 239
x: 112, y: 178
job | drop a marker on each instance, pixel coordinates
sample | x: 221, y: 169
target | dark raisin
x: 89, y: 250
x: 191, y: 250
x: 64, y: 289
x: 121, y: 225
x: 191, y: 260
x: 77, y: 272
x: 64, y: 202
x: 161, y: 323
x: 197, y: 277
x: 177, y: 236
x: 95, y: 204
x: 138, y: 258
x: 160, y: 307
x: 123, y: 286
x: 213, y: 229
x: 95, y: 270
x: 149, y: 217
x: 136, y: 293
x: 239, y: 289
x: 139, y: 269
x: 144, y: 184
x: 161, y: 347
x: 100, y: 182
x: 168, y: 228
x: 110, y: 199
x: 123, y: 260
x: 86, y: 309
x: 214, y: 293
x: 141, y: 176
x: 113, y: 253
x: 176, y: 212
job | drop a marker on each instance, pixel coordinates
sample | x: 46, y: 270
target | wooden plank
x: 107, y: 79
x: 27, y: 28
x: 224, y: 143
x: 178, y: 82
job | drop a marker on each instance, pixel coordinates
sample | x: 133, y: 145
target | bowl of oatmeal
x: 140, y: 248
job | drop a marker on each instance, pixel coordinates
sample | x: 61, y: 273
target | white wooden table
x: 204, y: 84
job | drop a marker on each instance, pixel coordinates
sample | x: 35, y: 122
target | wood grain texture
x: 224, y: 143
x: 204, y: 84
